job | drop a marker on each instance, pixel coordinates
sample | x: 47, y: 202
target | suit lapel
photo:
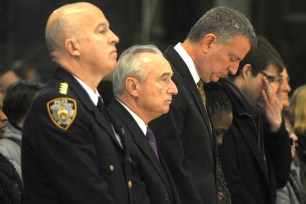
x: 182, y: 69
x: 84, y: 98
x: 137, y: 136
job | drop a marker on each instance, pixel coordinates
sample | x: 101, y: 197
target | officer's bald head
x: 67, y: 22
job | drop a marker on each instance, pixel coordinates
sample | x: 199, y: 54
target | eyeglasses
x: 269, y: 77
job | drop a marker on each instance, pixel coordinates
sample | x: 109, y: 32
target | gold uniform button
x: 130, y: 184
x: 111, y: 168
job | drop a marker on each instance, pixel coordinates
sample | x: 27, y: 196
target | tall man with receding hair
x: 70, y: 153
x: 213, y: 48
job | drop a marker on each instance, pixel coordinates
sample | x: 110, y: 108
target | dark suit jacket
x: 253, y: 174
x: 146, y: 168
x: 186, y: 140
x: 83, y: 164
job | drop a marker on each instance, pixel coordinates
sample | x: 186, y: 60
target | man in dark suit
x: 213, y: 48
x: 143, y: 89
x: 256, y: 153
x: 70, y: 153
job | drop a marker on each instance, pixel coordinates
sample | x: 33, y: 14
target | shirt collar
x: 138, y: 120
x: 94, y: 95
x: 189, y: 62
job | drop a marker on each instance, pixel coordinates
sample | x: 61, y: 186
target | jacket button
x: 130, y: 184
x: 111, y: 167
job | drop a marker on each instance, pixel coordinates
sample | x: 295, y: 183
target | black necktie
x: 102, y: 109
x: 151, y: 138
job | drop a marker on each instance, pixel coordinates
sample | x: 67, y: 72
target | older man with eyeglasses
x: 255, y: 153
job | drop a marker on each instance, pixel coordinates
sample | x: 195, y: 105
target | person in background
x: 143, y: 89
x: 294, y: 192
x: 215, y: 45
x: 286, y: 88
x: 7, y: 77
x: 220, y: 110
x: 26, y: 70
x: 11, y: 188
x: 297, y: 109
x: 16, y: 104
x: 3, y: 120
x: 70, y: 153
x: 255, y: 153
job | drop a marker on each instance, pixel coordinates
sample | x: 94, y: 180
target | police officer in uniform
x: 70, y: 153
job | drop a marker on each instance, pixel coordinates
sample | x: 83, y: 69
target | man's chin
x: 215, y: 79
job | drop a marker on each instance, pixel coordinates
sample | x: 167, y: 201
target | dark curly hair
x: 216, y: 99
x: 18, y: 99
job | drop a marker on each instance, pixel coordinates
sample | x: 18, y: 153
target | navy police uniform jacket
x: 69, y: 150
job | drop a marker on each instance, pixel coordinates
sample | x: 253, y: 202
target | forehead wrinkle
x: 166, y: 74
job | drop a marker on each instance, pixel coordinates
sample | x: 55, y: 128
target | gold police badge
x: 62, y: 112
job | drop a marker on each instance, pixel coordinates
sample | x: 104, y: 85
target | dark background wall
x: 161, y: 22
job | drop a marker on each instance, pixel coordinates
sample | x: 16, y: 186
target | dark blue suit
x: 76, y: 159
x: 186, y: 139
x: 149, y: 173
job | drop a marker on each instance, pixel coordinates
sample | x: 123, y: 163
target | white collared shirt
x: 189, y: 62
x: 138, y: 120
x: 94, y: 96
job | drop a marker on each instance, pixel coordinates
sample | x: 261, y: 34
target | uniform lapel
x: 84, y: 98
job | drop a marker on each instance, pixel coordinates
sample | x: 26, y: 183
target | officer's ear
x: 132, y: 86
x: 72, y: 47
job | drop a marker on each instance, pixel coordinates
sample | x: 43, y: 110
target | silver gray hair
x: 129, y: 65
x: 225, y: 23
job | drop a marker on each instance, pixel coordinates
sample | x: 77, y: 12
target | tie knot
x: 200, y: 84
x: 202, y: 92
x: 150, y: 135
